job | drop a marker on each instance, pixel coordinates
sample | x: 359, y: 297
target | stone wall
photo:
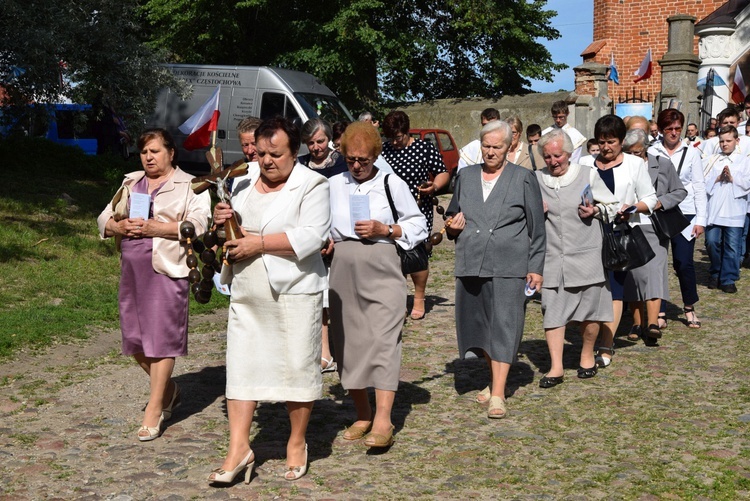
x: 460, y: 117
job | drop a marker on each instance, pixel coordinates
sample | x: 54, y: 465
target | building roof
x: 725, y: 14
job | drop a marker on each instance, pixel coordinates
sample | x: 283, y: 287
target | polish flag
x: 644, y: 70
x: 738, y: 87
x: 199, y: 126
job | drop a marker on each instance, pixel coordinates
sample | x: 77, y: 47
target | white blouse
x: 412, y: 222
x: 691, y: 176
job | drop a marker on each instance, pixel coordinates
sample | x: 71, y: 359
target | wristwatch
x: 390, y: 230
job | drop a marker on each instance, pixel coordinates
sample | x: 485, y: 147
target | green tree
x: 368, y: 51
x: 88, y: 51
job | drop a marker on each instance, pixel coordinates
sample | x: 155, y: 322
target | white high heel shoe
x: 151, y: 433
x: 220, y: 476
x: 296, y: 472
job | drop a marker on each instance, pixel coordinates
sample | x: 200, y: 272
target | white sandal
x: 151, y: 432
x: 602, y: 361
x: 330, y: 365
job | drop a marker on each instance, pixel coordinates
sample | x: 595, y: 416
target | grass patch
x: 58, y: 280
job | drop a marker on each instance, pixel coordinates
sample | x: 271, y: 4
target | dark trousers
x: 684, y: 267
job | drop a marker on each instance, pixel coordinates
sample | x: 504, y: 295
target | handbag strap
x: 390, y: 199
x: 684, y: 152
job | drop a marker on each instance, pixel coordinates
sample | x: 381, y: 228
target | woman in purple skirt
x: 154, y: 288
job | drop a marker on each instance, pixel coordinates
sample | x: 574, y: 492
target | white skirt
x: 273, y: 340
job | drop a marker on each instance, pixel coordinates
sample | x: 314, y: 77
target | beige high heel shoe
x: 151, y: 433
x: 220, y: 476
x: 296, y: 472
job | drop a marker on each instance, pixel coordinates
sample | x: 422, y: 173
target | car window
x: 445, y: 142
x: 430, y: 137
x: 271, y: 105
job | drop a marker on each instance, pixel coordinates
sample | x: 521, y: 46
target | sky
x: 575, y: 22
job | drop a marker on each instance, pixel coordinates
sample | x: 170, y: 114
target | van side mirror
x: 297, y: 121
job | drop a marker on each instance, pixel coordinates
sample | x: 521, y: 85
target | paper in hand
x: 587, y: 196
x: 359, y: 208
x: 140, y: 205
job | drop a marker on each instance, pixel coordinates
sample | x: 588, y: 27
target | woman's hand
x: 426, y: 188
x: 586, y: 211
x: 535, y: 281
x: 328, y: 249
x: 222, y: 212
x: 245, y: 247
x: 371, y: 229
x: 698, y: 231
x: 545, y: 206
x: 458, y: 223
x: 131, y: 228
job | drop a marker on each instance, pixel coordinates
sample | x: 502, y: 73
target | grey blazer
x: 504, y: 236
x: 669, y: 189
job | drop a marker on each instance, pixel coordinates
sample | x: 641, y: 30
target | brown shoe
x: 376, y: 440
x: 355, y: 432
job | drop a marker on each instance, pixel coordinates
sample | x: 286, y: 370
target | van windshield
x: 329, y: 108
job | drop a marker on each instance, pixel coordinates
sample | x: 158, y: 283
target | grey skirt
x: 591, y: 303
x: 367, y: 305
x: 649, y: 281
x: 490, y: 315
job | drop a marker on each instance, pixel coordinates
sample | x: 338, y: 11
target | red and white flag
x: 644, y: 70
x: 738, y: 87
x: 202, y: 123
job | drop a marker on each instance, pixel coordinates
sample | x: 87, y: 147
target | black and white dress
x: 414, y: 164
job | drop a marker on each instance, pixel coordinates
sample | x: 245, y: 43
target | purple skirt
x: 153, y: 307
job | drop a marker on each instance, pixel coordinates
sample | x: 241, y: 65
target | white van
x: 258, y: 91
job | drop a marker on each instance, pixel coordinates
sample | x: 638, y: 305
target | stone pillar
x: 716, y: 48
x: 592, y: 101
x: 679, y: 68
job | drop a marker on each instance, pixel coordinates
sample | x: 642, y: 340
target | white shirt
x: 471, y: 154
x: 691, y: 176
x: 578, y: 139
x: 412, y: 222
x: 711, y: 146
x: 727, y: 202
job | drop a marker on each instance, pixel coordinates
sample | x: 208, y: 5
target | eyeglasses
x: 363, y: 162
x: 515, y: 133
x: 673, y: 129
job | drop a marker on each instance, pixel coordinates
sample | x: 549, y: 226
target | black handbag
x: 624, y: 247
x: 413, y: 260
x: 668, y: 223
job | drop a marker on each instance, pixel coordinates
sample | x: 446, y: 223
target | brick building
x: 628, y: 28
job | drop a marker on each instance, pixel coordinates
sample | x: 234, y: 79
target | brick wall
x: 631, y: 27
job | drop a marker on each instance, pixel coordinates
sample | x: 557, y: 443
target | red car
x: 443, y: 141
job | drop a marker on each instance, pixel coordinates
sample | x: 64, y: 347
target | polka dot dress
x: 414, y: 164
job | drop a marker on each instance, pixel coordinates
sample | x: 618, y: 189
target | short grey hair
x: 312, y: 126
x: 498, y: 125
x: 365, y: 116
x: 556, y: 135
x: 633, y: 137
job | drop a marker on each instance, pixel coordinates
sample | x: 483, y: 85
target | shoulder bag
x: 413, y: 260
x: 668, y: 223
x: 624, y: 248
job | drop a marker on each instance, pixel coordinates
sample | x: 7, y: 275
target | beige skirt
x: 367, y: 301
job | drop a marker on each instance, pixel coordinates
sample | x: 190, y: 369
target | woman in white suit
x: 278, y: 278
x: 626, y: 177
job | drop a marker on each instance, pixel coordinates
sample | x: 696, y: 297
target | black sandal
x: 587, y: 373
x: 662, y: 318
x: 652, y: 335
x: 693, y: 324
x: 635, y: 333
